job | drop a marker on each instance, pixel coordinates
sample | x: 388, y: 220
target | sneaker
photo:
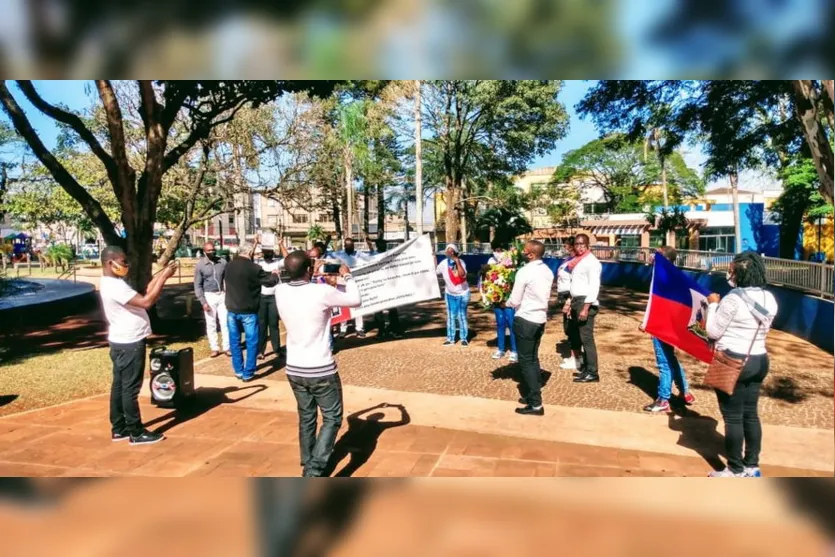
x: 726, y: 473
x: 514, y: 357
x: 569, y: 363
x: 146, y: 438
x: 689, y: 399
x: 119, y: 436
x: 360, y: 334
x: 498, y: 355
x: 465, y: 343
x: 449, y: 343
x: 752, y: 472
x: 659, y: 405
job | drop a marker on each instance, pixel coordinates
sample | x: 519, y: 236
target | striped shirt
x: 306, y: 309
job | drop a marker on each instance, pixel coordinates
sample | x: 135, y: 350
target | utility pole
x: 735, y: 195
x: 418, y: 163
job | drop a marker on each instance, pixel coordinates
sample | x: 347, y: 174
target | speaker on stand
x: 172, y: 377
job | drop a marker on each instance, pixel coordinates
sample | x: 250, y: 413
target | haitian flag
x: 675, y: 313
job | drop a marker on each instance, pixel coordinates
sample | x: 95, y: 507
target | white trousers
x: 217, y: 311
x: 359, y: 324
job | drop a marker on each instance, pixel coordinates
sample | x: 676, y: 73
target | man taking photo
x: 305, y: 308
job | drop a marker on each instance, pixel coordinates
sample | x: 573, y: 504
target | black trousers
x: 581, y: 335
x: 268, y: 324
x: 528, y: 338
x: 128, y: 372
x: 313, y: 394
x: 394, y: 321
x: 742, y: 420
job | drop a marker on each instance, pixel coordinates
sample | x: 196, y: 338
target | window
x: 656, y: 238
x: 270, y: 202
x: 595, y: 208
x: 718, y: 239
x: 231, y: 219
x: 629, y: 241
x: 300, y: 218
x: 325, y: 217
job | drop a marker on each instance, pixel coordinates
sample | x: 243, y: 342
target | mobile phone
x: 331, y: 268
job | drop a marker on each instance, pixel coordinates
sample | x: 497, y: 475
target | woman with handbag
x: 739, y: 324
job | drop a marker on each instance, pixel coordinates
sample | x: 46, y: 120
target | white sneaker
x: 726, y: 473
x: 498, y: 355
x: 514, y: 357
x: 569, y: 363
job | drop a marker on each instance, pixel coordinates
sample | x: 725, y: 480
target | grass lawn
x: 44, y: 380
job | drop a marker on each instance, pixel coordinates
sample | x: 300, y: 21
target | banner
x: 405, y: 275
x: 676, y: 311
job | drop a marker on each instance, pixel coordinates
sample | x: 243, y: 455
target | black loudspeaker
x: 172, y: 377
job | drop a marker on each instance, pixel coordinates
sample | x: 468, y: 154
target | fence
x: 815, y: 278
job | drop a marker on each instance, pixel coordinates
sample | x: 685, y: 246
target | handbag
x: 724, y: 370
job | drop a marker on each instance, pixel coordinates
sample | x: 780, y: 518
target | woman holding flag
x: 457, y: 290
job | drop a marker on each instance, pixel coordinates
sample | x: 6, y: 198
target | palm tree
x: 316, y: 233
x: 399, y: 201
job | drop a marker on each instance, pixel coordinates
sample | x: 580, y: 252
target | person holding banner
x: 393, y: 330
x: 457, y: 290
x: 349, y: 256
x: 306, y: 308
x: 669, y: 368
x: 739, y: 324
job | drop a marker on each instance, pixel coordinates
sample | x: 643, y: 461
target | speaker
x: 172, y: 377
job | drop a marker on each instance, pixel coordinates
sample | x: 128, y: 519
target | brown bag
x: 724, y: 370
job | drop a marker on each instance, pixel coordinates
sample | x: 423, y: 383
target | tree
x: 668, y: 221
x: 800, y: 200
x: 561, y: 202
x: 203, y: 105
x: 399, y: 202
x: 505, y: 224
x: 485, y: 129
x: 726, y: 116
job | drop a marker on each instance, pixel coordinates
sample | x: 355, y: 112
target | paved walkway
x: 251, y: 430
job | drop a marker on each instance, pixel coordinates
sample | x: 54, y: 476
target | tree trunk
x: 406, y: 218
x: 806, y: 110
x: 366, y: 209
x: 452, y: 221
x: 418, y: 163
x: 349, y: 178
x: 337, y: 216
x: 381, y: 210
x: 735, y: 193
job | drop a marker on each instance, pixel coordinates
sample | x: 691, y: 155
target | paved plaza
x: 448, y: 412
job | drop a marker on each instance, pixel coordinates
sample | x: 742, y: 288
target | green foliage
x: 668, y: 220
x: 316, y: 233
x: 60, y: 254
x: 506, y: 223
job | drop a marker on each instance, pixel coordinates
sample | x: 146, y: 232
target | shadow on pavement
x: 7, y: 399
x: 699, y: 434
x: 205, y: 399
x: 360, y: 441
x: 514, y: 372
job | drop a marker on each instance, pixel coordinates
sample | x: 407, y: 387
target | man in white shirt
x: 127, y: 328
x: 530, y: 295
x: 585, y: 271
x: 267, y: 311
x: 306, y: 309
x: 350, y: 257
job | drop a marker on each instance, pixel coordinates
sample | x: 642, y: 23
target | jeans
x: 669, y: 370
x: 582, y: 335
x: 128, y: 371
x: 739, y: 410
x: 268, y: 325
x: 504, y: 320
x: 248, y: 324
x: 529, y: 336
x: 323, y: 393
x: 217, y: 312
x: 456, y: 313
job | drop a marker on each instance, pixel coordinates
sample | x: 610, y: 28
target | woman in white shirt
x: 564, y: 301
x: 454, y: 273
x: 739, y: 324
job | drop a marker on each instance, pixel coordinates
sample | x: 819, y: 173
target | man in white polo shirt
x: 530, y: 296
x: 305, y: 308
x: 128, y: 327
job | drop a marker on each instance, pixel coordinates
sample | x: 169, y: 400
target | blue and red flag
x: 675, y: 312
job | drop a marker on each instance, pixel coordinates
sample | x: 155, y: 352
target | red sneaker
x: 689, y: 399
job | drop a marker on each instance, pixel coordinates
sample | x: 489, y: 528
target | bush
x: 60, y: 254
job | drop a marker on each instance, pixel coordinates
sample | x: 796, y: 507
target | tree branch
x: 72, y: 121
x: 92, y: 207
x: 124, y: 184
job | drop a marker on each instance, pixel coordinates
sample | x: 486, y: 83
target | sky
x: 78, y: 94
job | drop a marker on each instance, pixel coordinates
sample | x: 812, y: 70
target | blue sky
x: 78, y: 94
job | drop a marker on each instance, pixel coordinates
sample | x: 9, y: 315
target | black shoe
x: 146, y: 438
x: 523, y: 401
x: 465, y: 343
x: 530, y: 411
x: 119, y: 436
x: 587, y: 378
x: 360, y: 334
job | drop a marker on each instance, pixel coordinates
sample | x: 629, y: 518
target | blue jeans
x: 248, y: 324
x: 456, y: 312
x: 669, y: 370
x: 504, y: 320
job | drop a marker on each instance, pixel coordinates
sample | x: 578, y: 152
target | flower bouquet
x: 497, y: 280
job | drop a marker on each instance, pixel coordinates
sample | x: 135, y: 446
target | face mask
x: 120, y: 271
x: 731, y: 281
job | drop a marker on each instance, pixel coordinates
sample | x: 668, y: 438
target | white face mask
x: 731, y: 281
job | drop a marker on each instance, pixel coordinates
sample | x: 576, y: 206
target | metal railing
x: 814, y: 278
